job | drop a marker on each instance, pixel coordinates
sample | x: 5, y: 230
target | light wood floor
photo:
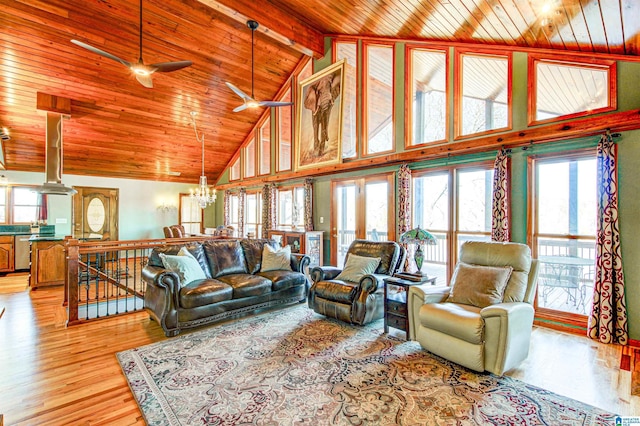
x: 53, y: 375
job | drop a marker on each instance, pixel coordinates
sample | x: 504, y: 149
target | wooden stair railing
x: 102, y: 276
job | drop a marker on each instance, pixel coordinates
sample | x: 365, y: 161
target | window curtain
x: 273, y: 207
x: 500, y: 206
x: 266, y: 203
x: 227, y: 207
x: 308, y: 204
x: 404, y: 207
x: 608, y: 320
x: 268, y: 209
x: 242, y: 198
x: 43, y: 211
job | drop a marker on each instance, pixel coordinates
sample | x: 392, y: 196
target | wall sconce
x: 166, y: 208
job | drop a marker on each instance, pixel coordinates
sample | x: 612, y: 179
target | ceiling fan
x: 142, y: 72
x: 250, y: 101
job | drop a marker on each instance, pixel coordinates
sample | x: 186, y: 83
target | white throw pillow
x: 275, y: 259
x: 186, y: 266
x: 357, y: 267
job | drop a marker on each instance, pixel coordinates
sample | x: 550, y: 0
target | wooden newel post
x: 71, y: 249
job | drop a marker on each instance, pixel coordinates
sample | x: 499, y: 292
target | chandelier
x: 202, y: 195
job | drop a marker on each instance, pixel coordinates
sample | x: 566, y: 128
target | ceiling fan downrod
x: 253, y: 25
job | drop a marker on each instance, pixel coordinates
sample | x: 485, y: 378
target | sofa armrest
x: 161, y: 297
x: 299, y: 262
x: 323, y: 273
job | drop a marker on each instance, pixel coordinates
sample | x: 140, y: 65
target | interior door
x: 95, y: 213
x: 362, y: 208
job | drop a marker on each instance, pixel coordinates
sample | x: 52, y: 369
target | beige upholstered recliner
x: 484, y: 325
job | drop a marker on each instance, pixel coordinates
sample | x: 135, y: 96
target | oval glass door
x: 96, y: 215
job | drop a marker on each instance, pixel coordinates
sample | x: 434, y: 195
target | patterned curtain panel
x: 308, y: 204
x: 608, y: 320
x: 271, y: 219
x: 500, y: 207
x: 266, y: 204
x: 242, y: 198
x: 404, y: 209
x: 227, y: 217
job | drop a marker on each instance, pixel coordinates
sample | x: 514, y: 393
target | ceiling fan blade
x: 171, y: 66
x: 274, y: 103
x: 239, y: 92
x: 240, y: 108
x: 145, y: 80
x: 101, y: 52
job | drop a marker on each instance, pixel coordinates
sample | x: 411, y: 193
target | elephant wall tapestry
x: 319, y: 125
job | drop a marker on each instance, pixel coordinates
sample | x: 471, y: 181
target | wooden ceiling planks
x: 118, y: 128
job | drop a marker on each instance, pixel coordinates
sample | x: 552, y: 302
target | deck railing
x: 104, y: 278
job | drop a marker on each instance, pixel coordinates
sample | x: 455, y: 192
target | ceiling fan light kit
x: 250, y: 101
x: 141, y: 71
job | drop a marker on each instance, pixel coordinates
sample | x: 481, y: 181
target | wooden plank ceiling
x: 118, y: 128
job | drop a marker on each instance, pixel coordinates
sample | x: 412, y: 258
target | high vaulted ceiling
x: 118, y: 128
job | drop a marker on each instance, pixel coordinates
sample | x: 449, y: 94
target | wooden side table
x: 396, y: 312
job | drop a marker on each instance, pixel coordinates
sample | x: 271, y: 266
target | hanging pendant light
x: 203, y: 195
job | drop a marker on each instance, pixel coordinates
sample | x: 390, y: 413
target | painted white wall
x: 140, y: 217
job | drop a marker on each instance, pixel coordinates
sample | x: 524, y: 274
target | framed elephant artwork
x: 319, y: 126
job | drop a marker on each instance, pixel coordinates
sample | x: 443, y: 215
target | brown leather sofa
x: 356, y: 302
x: 233, y: 284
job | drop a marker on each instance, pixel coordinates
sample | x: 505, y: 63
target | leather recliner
x: 355, y: 302
x: 494, y: 338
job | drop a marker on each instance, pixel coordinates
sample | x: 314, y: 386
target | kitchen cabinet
x: 47, y: 263
x: 6, y: 253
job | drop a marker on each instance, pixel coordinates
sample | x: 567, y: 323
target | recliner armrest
x: 506, y: 309
x: 371, y: 282
x: 428, y: 293
x: 323, y: 273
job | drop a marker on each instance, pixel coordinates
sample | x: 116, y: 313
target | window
x: 234, y: 172
x: 455, y: 206
x: 564, y: 229
x: 234, y: 210
x: 361, y: 208
x: 483, y: 92
x: 191, y: 215
x: 24, y: 205
x: 426, y: 98
x: 3, y: 204
x: 285, y: 133
x: 250, y: 158
x: 253, y: 214
x: 265, y: 147
x: 378, y: 93
x: 306, y: 72
x: 569, y: 89
x: 291, y: 208
x: 348, y: 51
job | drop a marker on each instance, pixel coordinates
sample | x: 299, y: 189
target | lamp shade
x: 418, y: 236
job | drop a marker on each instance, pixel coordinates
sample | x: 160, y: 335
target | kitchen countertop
x: 45, y: 237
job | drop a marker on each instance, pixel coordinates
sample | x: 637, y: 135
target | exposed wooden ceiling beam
x: 274, y: 22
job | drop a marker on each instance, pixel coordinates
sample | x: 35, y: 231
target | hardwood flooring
x: 53, y: 375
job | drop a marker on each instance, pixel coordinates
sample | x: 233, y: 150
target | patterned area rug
x: 293, y: 367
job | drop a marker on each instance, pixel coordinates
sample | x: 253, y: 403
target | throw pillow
x: 478, y: 285
x: 358, y: 266
x: 276, y: 259
x: 186, y: 266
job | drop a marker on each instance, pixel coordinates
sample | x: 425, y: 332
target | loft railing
x: 104, y: 278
